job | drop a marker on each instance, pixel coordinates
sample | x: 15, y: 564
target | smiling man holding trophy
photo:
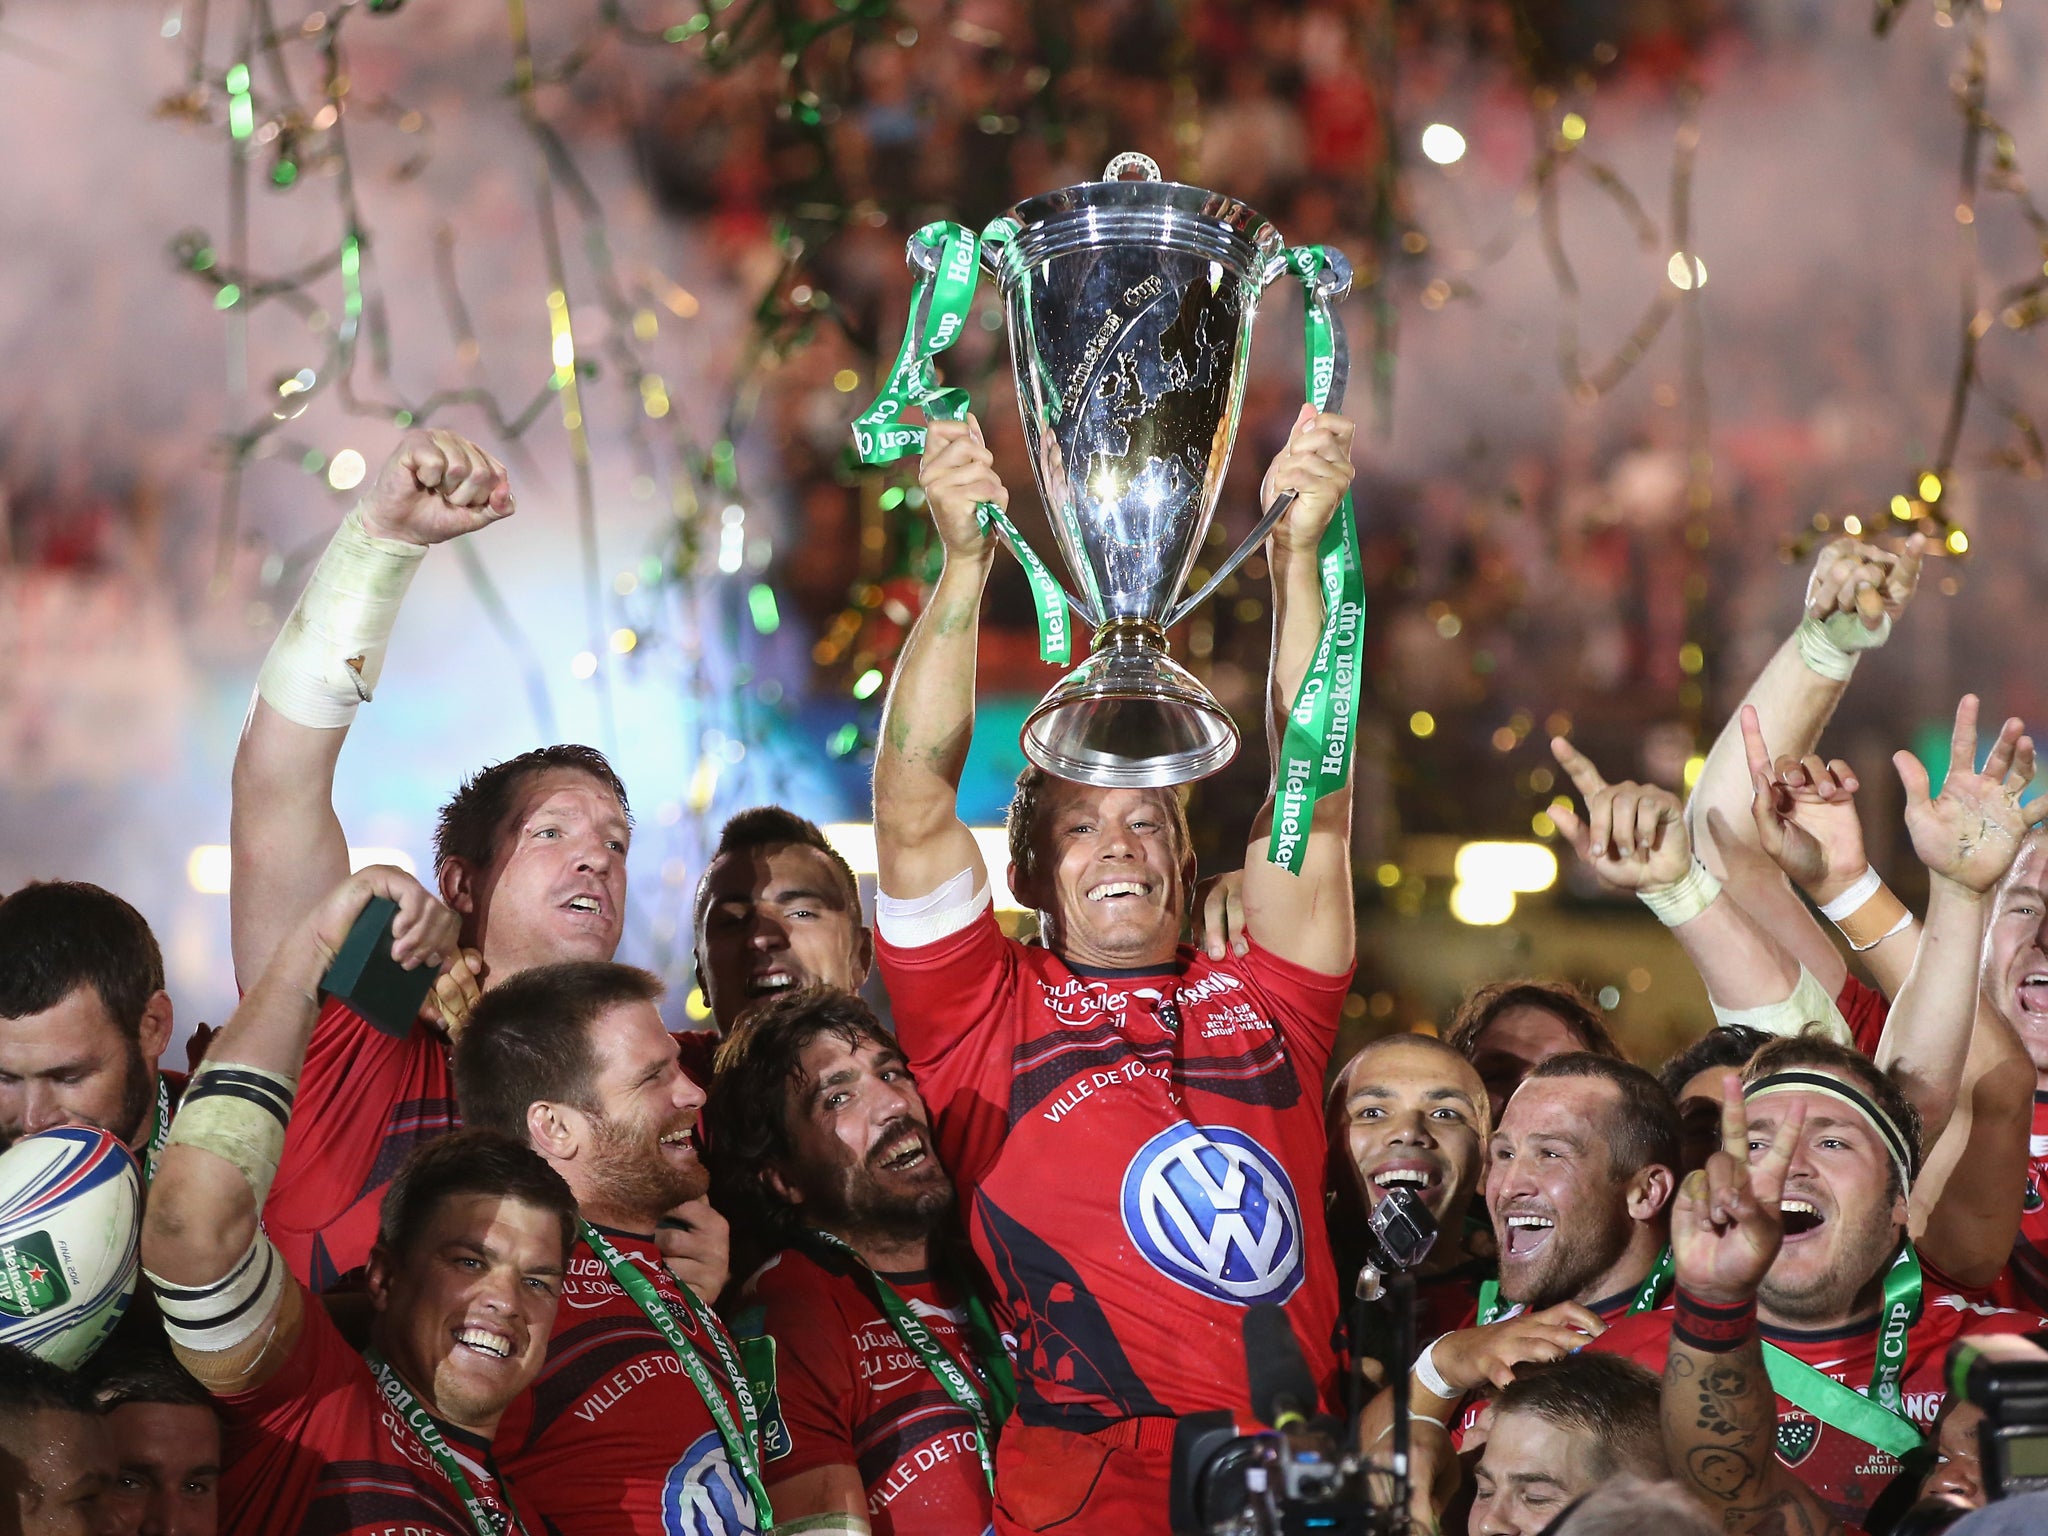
x: 1135, y: 1129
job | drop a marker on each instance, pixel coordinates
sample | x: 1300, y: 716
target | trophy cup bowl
x: 1129, y: 307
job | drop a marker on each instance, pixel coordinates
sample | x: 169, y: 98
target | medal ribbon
x: 1877, y: 1418
x: 957, y: 1383
x: 428, y: 1433
x: 740, y: 1447
x: 1649, y: 1295
x: 1315, y: 751
x: 159, y: 1132
x: 943, y: 296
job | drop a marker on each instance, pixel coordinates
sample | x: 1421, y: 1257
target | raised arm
x: 1952, y: 1052
x: 1306, y: 918
x: 1967, y: 836
x: 920, y: 841
x: 1720, y: 1412
x: 1634, y: 838
x: 229, y: 1307
x: 288, y: 848
x: 1855, y: 592
x: 1803, y: 812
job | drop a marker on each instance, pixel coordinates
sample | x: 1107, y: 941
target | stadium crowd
x: 527, y: 1262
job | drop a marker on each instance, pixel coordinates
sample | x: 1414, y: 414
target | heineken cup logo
x: 31, y: 1280
x: 960, y: 262
x: 1324, y: 372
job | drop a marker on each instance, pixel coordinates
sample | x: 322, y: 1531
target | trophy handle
x: 1329, y: 286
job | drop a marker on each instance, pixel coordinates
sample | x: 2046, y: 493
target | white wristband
x: 1430, y: 1378
x: 1860, y: 890
x: 1684, y: 898
x: 327, y: 658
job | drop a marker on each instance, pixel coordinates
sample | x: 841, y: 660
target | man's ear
x: 781, y: 1187
x: 863, y: 956
x: 458, y: 882
x: 1025, y: 890
x: 377, y: 1275
x: 556, y: 1131
x: 154, y: 1033
x: 1650, y: 1191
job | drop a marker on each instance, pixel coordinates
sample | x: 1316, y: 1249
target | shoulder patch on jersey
x: 704, y: 1495
x: 1214, y: 1211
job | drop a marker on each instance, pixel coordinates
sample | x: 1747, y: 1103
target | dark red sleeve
x: 364, y: 1101
x: 814, y: 1372
x: 958, y: 1020
x: 1309, y: 1004
x: 1865, y: 1010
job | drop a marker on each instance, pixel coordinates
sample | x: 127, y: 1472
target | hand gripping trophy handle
x: 1326, y: 291
x: 923, y: 256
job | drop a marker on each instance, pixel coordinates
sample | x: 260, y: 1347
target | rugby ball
x: 70, y: 1241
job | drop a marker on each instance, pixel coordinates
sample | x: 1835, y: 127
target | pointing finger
x: 1584, y: 776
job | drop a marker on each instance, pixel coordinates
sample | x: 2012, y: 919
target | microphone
x: 1283, y: 1391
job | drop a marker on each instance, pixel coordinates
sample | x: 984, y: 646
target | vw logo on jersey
x: 705, y: 1494
x: 1211, y: 1208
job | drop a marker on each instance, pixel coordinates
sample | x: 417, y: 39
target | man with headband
x: 1847, y: 1301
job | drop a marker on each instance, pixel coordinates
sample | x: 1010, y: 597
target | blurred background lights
x: 1512, y: 866
x: 1686, y: 272
x: 345, y: 472
x: 1443, y: 144
x: 1482, y: 906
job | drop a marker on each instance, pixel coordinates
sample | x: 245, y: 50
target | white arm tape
x: 823, y: 1525
x: 208, y: 1319
x: 327, y: 658
x: 1832, y: 646
x: 910, y: 924
x: 1809, y: 1010
x: 239, y: 1114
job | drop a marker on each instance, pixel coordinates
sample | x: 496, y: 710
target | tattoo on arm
x: 1720, y: 1427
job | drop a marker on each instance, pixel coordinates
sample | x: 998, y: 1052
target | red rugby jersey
x: 613, y: 1437
x: 2023, y: 1282
x: 1847, y: 1474
x: 364, y: 1102
x: 1139, y: 1155
x: 316, y: 1451
x: 1864, y: 1010
x: 851, y: 1393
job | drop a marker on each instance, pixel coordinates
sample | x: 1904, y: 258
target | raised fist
x: 436, y: 487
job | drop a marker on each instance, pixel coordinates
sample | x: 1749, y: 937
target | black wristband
x: 1709, y: 1326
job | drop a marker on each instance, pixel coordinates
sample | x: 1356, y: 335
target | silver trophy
x: 1130, y: 307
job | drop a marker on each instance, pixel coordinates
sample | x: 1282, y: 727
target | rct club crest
x: 1211, y: 1208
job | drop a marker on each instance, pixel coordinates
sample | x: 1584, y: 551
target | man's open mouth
x: 1111, y: 890
x: 1800, y: 1217
x: 585, y: 905
x: 1415, y: 1176
x: 912, y: 1151
x: 763, y: 983
x: 684, y: 1140
x: 1527, y: 1233
x: 487, y: 1342
x: 2033, y: 993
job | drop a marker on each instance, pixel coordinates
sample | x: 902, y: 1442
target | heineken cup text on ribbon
x: 1129, y: 307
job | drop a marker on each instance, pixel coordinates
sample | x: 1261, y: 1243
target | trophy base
x: 1129, y: 717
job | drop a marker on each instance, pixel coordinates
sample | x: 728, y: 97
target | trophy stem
x: 1130, y: 716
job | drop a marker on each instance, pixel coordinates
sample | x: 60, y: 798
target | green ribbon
x: 1649, y: 1295
x: 1315, y: 750
x: 159, y: 1132
x: 882, y: 436
x: 989, y: 1409
x: 1878, y: 1418
x: 428, y: 1433
x: 740, y: 1447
